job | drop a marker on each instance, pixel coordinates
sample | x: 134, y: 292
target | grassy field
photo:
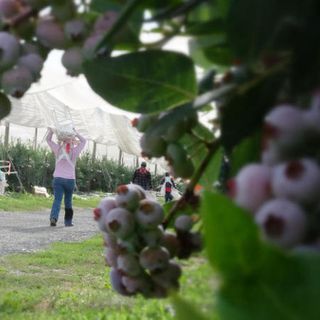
x: 70, y: 281
x: 30, y: 202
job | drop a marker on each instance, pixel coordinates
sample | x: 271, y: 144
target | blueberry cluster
x: 161, y: 138
x: 138, y: 250
x: 31, y: 28
x: 283, y: 191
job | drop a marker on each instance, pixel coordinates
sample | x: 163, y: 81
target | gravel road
x: 30, y: 231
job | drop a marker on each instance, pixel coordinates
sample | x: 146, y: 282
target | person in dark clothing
x: 142, y: 177
x: 168, y: 185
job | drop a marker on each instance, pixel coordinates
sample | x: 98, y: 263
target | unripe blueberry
x: 8, y: 9
x: 174, y: 132
x: 152, y: 237
x: 168, y: 277
x: 75, y: 29
x: 141, y: 191
x: 183, y: 223
x: 171, y: 243
x: 183, y: 170
x: 251, y: 187
x: 149, y: 214
x: 110, y: 240
x: 89, y: 46
x: 155, y: 258
x: 282, y: 222
x: 33, y: 62
x: 50, y: 34
x: 116, y: 282
x: 120, y: 222
x: 141, y: 284
x: 9, y: 50
x: 17, y: 81
x: 100, y: 213
x: 128, y: 265
x: 111, y: 256
x: 127, y: 197
x: 298, y: 180
x: 144, y: 122
x: 72, y: 60
x: 152, y: 145
x: 285, y: 125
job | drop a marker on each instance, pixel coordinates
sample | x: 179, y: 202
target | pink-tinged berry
x: 120, y: 222
x: 149, y: 214
x: 282, y: 222
x: 251, y: 187
x: 298, y: 180
x: 100, y: 213
x: 116, y: 282
x: 75, y: 29
x: 183, y: 223
x: 285, y: 125
x: 171, y: 243
x: 141, y: 284
x: 50, y: 34
x: 33, y: 62
x: 17, y: 81
x: 152, y: 237
x: 127, y: 197
x: 111, y: 256
x: 72, y: 60
x: 128, y: 265
x: 9, y: 50
x: 155, y: 258
x: 168, y: 277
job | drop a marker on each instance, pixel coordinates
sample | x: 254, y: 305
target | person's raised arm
x: 53, y: 146
x: 82, y: 143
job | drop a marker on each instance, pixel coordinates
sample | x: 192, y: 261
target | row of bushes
x: 35, y: 168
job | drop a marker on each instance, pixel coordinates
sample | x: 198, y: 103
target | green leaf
x: 247, y: 151
x: 243, y: 113
x: 230, y: 235
x: 253, y: 24
x: 5, y: 106
x: 185, y: 310
x: 143, y: 82
x: 259, y: 281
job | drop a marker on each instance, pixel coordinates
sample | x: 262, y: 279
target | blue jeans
x: 61, y: 186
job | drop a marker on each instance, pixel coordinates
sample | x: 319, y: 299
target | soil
x: 30, y: 231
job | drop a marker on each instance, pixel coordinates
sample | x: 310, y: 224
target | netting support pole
x: 120, y: 157
x: 6, y: 135
x: 35, y: 140
x: 155, y: 169
x: 94, y: 151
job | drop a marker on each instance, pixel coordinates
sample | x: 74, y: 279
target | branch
x: 176, y: 11
x: 128, y: 9
x: 195, y: 179
x: 19, y: 18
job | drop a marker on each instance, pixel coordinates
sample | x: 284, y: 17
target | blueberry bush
x: 252, y: 181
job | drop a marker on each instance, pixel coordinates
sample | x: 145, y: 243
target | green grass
x: 30, y: 202
x: 70, y: 281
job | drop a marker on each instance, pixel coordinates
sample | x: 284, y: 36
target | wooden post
x: 35, y: 139
x: 94, y: 151
x: 6, y: 135
x: 137, y: 161
x: 120, y: 157
x: 155, y: 169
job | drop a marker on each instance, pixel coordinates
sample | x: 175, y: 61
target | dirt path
x: 30, y: 231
